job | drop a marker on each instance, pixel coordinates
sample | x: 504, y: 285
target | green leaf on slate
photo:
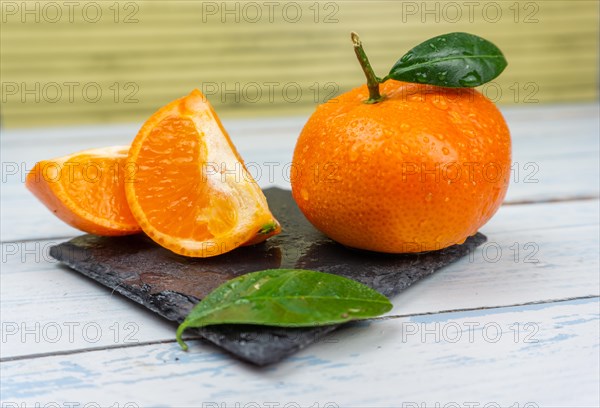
x: 455, y: 60
x: 286, y: 298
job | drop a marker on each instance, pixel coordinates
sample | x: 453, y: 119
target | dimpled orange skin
x: 419, y: 171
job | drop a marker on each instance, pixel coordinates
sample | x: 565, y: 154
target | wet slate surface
x: 170, y: 284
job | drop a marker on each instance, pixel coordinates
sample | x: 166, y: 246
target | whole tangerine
x: 422, y: 169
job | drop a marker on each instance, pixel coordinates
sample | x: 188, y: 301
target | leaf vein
x: 423, y: 64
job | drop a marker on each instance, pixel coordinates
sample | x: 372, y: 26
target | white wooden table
x: 516, y: 324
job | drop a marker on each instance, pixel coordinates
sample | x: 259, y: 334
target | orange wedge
x: 191, y: 192
x: 87, y: 190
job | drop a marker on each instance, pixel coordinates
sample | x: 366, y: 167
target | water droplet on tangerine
x: 304, y: 194
x: 354, y: 153
x: 470, y: 133
x: 440, y: 103
x: 455, y: 117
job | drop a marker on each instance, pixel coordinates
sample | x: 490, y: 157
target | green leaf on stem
x: 455, y: 60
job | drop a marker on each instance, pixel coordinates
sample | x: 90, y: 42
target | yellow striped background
x: 266, y: 58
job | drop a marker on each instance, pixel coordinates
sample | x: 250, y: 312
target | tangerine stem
x: 372, y: 80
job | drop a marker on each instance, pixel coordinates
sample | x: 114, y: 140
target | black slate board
x: 170, y: 284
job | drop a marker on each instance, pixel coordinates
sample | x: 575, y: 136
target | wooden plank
x: 533, y: 356
x: 562, y: 237
x: 545, y: 167
x: 50, y: 308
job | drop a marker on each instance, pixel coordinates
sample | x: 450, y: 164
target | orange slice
x: 87, y: 190
x: 191, y: 191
